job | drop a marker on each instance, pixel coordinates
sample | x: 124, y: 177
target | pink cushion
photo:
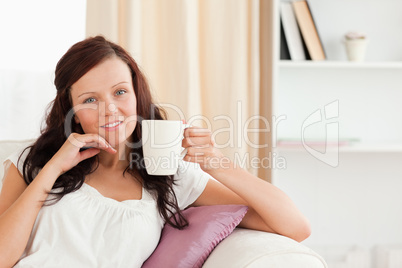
x: 208, y: 225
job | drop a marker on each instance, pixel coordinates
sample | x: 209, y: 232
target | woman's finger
x: 196, y: 132
x: 195, y: 159
x: 199, y: 151
x: 89, y: 153
x: 96, y: 140
x: 204, y: 141
x: 91, y: 141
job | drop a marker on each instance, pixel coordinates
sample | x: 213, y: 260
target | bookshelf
x: 376, y: 80
x: 368, y: 98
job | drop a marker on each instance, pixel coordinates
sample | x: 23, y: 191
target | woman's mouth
x: 113, y: 125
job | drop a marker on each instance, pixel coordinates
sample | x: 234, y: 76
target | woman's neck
x: 118, y: 161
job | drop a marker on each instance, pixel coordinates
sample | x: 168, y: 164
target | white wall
x: 379, y: 20
x: 34, y: 35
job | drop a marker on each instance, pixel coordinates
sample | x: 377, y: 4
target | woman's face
x: 105, y: 103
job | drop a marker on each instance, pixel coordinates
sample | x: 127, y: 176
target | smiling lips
x: 112, y: 126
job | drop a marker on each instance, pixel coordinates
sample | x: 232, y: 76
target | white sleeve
x: 13, y: 159
x: 190, y: 182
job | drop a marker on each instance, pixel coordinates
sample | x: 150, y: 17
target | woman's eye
x: 89, y: 100
x: 120, y: 92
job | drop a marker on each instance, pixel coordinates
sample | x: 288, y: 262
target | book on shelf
x: 284, y: 49
x: 291, y: 32
x: 308, y: 30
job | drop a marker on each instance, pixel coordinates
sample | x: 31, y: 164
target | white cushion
x: 256, y: 249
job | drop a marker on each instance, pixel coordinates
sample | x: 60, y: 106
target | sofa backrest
x: 6, y: 149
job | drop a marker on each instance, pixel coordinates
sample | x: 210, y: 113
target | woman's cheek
x: 131, y: 123
x: 89, y: 121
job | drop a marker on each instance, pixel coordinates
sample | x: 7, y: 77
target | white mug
x: 161, y: 145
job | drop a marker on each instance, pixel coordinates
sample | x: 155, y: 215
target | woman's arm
x: 19, y: 207
x: 269, y: 208
x: 20, y: 204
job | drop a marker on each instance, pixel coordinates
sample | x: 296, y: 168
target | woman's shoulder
x: 12, y: 152
x: 189, y: 182
x: 189, y: 170
x: 16, y: 153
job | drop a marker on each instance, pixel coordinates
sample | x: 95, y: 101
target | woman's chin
x: 119, y: 143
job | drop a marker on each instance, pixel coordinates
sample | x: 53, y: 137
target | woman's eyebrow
x: 120, y: 83
x: 86, y: 93
x: 92, y: 92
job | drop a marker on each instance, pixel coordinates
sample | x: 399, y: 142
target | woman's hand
x: 70, y: 154
x: 201, y: 149
x: 270, y: 209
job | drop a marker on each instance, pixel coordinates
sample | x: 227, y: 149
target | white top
x: 85, y: 229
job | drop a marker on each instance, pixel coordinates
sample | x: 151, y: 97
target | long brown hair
x: 77, y: 61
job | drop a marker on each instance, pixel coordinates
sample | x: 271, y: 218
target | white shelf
x: 340, y: 64
x: 352, y: 148
x: 368, y: 95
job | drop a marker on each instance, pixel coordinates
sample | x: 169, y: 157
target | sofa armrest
x: 255, y: 249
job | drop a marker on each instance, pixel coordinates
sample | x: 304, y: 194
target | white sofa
x: 243, y: 248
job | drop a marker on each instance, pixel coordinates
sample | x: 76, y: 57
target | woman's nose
x: 108, y: 109
x: 111, y: 108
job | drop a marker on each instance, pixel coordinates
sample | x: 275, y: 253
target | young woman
x: 73, y: 199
